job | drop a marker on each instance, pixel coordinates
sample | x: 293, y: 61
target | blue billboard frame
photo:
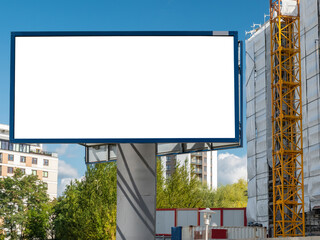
x: 238, y: 89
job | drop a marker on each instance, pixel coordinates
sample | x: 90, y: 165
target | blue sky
x: 123, y: 15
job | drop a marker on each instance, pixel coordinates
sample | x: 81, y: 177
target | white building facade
x: 204, y: 165
x: 30, y: 158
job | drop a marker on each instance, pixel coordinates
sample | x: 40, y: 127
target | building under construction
x: 261, y: 99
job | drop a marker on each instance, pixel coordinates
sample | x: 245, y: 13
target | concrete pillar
x: 136, y: 191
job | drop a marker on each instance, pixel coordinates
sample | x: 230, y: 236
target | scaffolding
x: 287, y: 153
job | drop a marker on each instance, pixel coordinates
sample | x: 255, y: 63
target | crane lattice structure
x: 288, y: 188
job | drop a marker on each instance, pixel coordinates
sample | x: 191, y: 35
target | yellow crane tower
x: 287, y: 172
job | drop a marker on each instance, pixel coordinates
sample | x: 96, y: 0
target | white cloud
x: 231, y: 168
x: 66, y: 170
x: 62, y: 149
x: 66, y: 174
x: 62, y: 185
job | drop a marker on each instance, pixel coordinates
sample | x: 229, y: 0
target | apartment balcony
x: 198, y: 171
x: 196, y: 162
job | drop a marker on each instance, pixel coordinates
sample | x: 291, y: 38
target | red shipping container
x: 219, y: 234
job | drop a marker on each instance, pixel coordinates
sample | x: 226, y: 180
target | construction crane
x: 287, y: 172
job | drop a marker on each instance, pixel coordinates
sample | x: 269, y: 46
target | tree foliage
x: 87, y: 209
x: 230, y: 196
x: 19, y: 196
x: 39, y: 224
x: 184, y: 190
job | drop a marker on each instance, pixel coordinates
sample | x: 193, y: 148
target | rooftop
x: 33, y: 148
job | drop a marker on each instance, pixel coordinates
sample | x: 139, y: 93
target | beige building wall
x: 39, y: 173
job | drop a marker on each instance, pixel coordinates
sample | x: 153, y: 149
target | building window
x: 34, y: 160
x: 205, y: 159
x: 34, y: 172
x: 45, y: 162
x: 205, y: 168
x: 45, y: 184
x: 45, y: 174
x: 4, y: 145
x: 22, y: 159
x: 24, y: 148
x: 16, y: 147
x: 23, y: 170
x: 10, y: 157
x: 10, y: 146
x: 10, y: 169
x: 0, y: 170
x: 168, y: 167
x: 0, y: 157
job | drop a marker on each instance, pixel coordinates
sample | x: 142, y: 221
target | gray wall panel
x: 251, y: 167
x: 312, y: 89
x: 252, y: 188
x: 251, y: 127
x: 251, y: 148
x: 310, y: 43
x: 311, y: 66
x: 262, y: 165
x: 313, y: 113
x: 233, y: 218
x: 187, y: 217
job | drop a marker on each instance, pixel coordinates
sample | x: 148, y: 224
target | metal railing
x: 44, y: 153
x: 198, y: 170
x: 195, y: 161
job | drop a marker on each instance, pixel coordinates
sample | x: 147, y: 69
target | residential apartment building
x: 203, y: 164
x: 30, y: 158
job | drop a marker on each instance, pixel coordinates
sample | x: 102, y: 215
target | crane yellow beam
x: 287, y: 146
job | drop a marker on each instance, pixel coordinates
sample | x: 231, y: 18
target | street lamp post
x: 207, y: 217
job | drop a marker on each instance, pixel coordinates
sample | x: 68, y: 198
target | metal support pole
x: 207, y: 232
x: 136, y: 191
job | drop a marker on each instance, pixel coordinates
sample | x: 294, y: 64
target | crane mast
x: 287, y: 145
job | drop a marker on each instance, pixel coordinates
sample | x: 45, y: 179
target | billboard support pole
x: 136, y: 191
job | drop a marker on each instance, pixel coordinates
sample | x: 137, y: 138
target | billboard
x: 124, y: 87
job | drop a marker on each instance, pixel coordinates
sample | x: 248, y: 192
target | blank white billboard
x: 115, y: 88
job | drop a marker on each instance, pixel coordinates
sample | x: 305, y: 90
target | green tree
x: 184, y: 190
x: 39, y: 224
x: 181, y: 190
x: 87, y: 209
x: 19, y: 194
x: 160, y: 184
x: 230, y: 196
